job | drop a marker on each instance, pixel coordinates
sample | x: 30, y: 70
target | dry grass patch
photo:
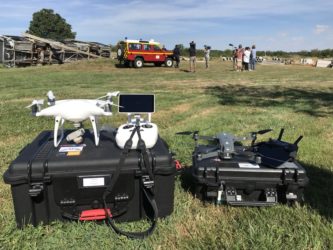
x: 10, y: 141
x: 181, y: 108
x: 204, y: 113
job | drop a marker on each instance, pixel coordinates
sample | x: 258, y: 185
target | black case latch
x: 147, y: 182
x: 36, y: 189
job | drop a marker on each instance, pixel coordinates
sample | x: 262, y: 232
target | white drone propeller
x: 108, y: 100
x: 35, y: 102
x: 109, y: 95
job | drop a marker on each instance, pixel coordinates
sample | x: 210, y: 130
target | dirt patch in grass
x: 197, y: 85
x: 176, y: 109
x: 203, y: 113
x: 9, y: 141
x: 91, y: 66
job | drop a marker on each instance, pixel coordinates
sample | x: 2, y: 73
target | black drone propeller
x: 194, y: 132
x: 196, y: 136
x: 188, y: 132
x: 260, y: 132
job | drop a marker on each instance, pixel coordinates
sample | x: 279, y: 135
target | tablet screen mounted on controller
x: 136, y: 103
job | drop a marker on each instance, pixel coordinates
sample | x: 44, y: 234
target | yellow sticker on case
x: 73, y: 153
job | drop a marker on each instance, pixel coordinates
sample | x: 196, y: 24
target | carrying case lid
x: 40, y: 157
x: 241, y: 169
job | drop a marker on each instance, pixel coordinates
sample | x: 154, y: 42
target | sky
x: 289, y: 25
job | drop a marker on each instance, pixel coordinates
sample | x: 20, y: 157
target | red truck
x: 137, y: 52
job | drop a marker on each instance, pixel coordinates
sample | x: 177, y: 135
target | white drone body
x: 74, y: 110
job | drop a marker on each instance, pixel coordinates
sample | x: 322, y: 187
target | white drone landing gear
x: 59, y: 122
x: 77, y: 135
x: 148, y: 131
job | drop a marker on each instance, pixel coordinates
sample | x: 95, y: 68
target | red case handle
x: 94, y: 214
x: 178, y: 165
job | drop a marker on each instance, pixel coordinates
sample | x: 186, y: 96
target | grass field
x: 297, y: 98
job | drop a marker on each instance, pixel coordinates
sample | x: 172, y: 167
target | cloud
x: 191, y: 9
x: 319, y: 29
x: 297, y: 39
x: 283, y: 34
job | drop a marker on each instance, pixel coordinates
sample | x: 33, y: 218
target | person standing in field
x: 176, y: 55
x: 239, y: 57
x: 234, y: 59
x: 193, y: 57
x: 253, y: 58
x: 246, y: 58
x: 207, y: 55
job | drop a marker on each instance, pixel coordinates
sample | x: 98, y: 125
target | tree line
x: 326, y: 53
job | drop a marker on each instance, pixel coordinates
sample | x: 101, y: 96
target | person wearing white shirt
x: 246, y: 58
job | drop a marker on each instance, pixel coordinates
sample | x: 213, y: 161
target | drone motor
x: 36, y: 106
x: 50, y: 98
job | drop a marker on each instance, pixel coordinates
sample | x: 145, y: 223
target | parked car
x: 137, y: 52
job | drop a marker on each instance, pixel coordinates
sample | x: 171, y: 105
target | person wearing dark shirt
x: 176, y: 55
x: 193, y: 58
x: 253, y: 58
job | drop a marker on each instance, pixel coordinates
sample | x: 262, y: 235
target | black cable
x: 150, y: 197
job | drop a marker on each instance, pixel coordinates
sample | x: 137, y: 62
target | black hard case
x: 239, y: 186
x: 45, y: 183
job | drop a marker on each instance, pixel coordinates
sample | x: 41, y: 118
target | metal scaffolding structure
x: 16, y: 51
x: 29, y: 50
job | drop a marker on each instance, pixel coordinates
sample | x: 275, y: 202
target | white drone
x: 76, y: 111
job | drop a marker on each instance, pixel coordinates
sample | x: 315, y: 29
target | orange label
x: 73, y: 153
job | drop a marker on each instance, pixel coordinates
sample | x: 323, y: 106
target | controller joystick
x: 147, y: 126
x: 128, y: 126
